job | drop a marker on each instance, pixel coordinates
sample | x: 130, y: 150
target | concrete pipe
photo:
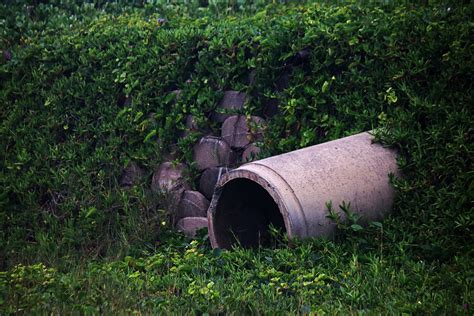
x: 291, y: 191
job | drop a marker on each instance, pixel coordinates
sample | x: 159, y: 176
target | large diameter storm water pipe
x: 292, y: 191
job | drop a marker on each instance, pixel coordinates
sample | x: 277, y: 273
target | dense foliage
x: 86, y: 88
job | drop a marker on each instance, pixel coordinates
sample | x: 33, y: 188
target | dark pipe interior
x: 244, y: 213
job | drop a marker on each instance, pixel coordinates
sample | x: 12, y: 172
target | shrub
x: 86, y: 88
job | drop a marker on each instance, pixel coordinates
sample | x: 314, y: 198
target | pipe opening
x: 243, y: 215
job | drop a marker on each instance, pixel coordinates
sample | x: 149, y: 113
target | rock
x: 303, y: 55
x: 171, y: 153
x: 271, y: 107
x: 235, y: 131
x: 123, y: 100
x: 234, y: 157
x: 191, y: 123
x: 169, y: 181
x: 169, y: 178
x: 161, y: 21
x: 131, y: 175
x: 211, y: 152
x: 251, y: 77
x: 152, y: 118
x: 209, y: 178
x: 7, y: 55
x: 238, y: 132
x: 173, y: 96
x: 283, y: 81
x: 250, y: 153
x: 300, y: 58
x: 191, y: 126
x: 190, y: 225
x: 192, y: 204
x: 233, y: 101
x: 30, y: 9
x: 177, y: 93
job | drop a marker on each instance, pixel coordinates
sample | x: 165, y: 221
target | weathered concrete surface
x: 190, y: 225
x: 190, y: 125
x: 169, y: 181
x: 192, y: 204
x: 169, y: 177
x: 300, y: 185
x: 7, y: 55
x: 232, y: 102
x: 131, y: 175
x: 250, y: 152
x: 212, y: 152
x: 209, y: 178
x: 177, y: 93
x: 238, y: 131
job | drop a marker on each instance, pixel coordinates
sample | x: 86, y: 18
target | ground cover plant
x: 87, y: 88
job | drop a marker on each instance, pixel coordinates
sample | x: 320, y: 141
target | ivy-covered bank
x: 87, y: 88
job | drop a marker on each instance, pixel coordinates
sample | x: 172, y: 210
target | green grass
x: 85, y: 89
x: 318, y: 276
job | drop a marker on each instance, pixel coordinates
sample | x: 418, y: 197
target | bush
x: 85, y: 89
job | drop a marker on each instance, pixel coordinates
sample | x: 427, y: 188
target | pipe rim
x: 275, y: 194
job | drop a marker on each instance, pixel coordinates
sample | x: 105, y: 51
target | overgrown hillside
x: 87, y: 88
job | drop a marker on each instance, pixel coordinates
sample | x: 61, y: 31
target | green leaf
x: 325, y: 87
x: 377, y: 224
x: 91, y: 211
x: 356, y: 227
x: 149, y: 135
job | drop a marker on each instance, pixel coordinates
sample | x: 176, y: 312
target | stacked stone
x: 214, y: 155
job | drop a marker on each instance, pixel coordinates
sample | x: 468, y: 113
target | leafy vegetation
x: 317, y: 276
x: 87, y: 88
